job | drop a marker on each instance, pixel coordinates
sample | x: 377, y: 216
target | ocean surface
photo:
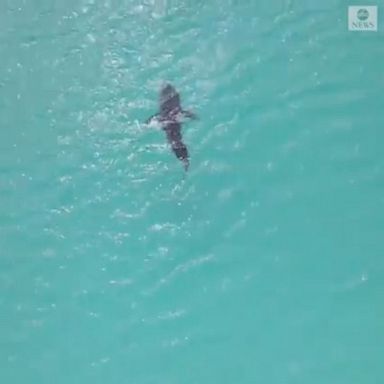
x: 263, y: 264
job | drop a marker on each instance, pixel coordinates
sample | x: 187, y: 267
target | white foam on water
x: 159, y: 8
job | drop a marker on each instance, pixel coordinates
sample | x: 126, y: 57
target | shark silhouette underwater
x: 170, y: 118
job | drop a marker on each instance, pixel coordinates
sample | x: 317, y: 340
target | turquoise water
x: 264, y: 265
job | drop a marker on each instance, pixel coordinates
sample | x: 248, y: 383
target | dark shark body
x: 169, y: 117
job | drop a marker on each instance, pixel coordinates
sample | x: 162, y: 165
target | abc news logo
x: 362, y: 18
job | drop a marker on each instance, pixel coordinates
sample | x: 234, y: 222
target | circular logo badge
x: 362, y: 14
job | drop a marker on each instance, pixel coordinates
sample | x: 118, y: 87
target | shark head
x: 169, y: 99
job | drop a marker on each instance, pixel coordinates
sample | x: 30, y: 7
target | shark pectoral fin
x: 153, y: 118
x: 190, y: 115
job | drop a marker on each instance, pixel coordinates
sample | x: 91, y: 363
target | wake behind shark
x: 170, y: 115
